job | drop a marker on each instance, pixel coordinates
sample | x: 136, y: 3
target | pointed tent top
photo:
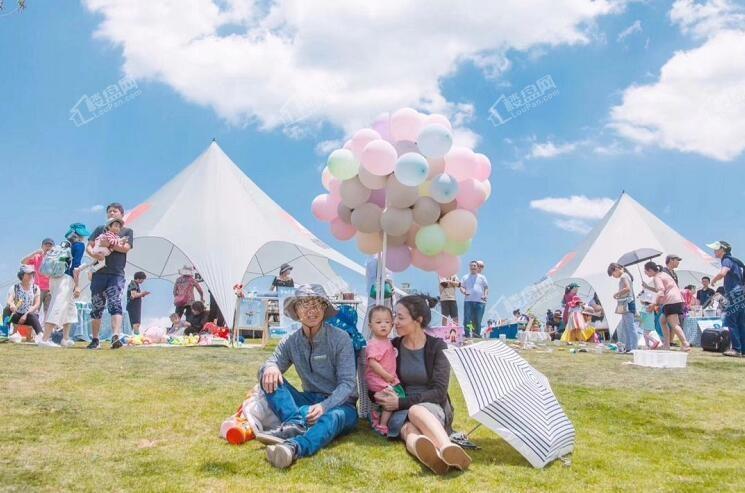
x: 216, y: 218
x: 628, y: 226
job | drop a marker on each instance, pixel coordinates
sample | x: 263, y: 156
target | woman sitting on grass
x: 424, y: 417
x: 196, y: 317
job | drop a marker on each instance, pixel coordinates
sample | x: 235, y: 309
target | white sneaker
x: 38, y: 337
x: 67, y: 343
x: 15, y: 337
x: 50, y: 344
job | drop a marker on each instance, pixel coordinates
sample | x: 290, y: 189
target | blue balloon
x: 411, y: 169
x: 435, y: 141
x: 444, y: 188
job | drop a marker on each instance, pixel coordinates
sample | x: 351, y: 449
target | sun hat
x: 25, y: 269
x: 77, y: 229
x: 113, y: 220
x: 720, y: 244
x: 47, y: 241
x: 672, y: 257
x: 309, y: 292
x: 186, y: 270
x: 284, y: 268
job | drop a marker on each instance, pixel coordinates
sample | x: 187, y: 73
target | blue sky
x: 648, y: 102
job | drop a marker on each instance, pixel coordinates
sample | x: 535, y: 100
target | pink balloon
x: 326, y: 178
x: 324, y: 207
x: 348, y: 145
x: 447, y: 265
x: 422, y: 261
x: 483, y: 168
x: 378, y: 197
x: 382, y: 125
x: 461, y: 163
x: 360, y: 139
x: 379, y: 157
x: 406, y: 124
x: 436, y: 167
x: 398, y: 258
x: 335, y: 186
x: 341, y: 230
x: 438, y: 119
x: 471, y: 194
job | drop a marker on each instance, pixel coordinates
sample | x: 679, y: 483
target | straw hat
x: 305, y: 292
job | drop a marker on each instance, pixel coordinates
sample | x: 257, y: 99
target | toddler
x: 111, y: 233
x: 647, y: 322
x: 380, y: 371
x: 177, y: 325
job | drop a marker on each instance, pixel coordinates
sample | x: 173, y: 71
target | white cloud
x: 96, y: 208
x: 697, y: 104
x: 707, y: 19
x: 636, y: 27
x: 548, y: 149
x: 295, y: 63
x: 573, y: 225
x: 326, y: 146
x: 576, y: 206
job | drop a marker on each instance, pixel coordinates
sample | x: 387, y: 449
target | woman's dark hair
x: 614, y: 265
x: 198, y: 306
x: 720, y: 290
x: 453, y: 330
x: 652, y: 266
x: 140, y: 275
x: 419, y: 307
x: 379, y: 308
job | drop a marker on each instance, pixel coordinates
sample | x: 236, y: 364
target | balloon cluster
x: 404, y: 177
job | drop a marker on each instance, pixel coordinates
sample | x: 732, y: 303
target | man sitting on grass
x: 324, y: 360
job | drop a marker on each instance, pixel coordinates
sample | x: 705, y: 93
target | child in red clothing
x: 380, y: 371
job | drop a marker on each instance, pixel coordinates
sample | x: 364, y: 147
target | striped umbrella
x: 513, y: 399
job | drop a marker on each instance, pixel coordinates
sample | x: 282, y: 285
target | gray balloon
x: 426, y: 211
x: 400, y: 196
x: 371, y: 181
x: 396, y: 222
x: 344, y: 213
x: 353, y: 193
x: 366, y: 218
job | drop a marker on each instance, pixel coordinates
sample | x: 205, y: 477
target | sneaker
x: 50, y: 344
x: 281, y: 455
x: 731, y: 353
x: 95, y: 344
x: 67, y: 343
x: 116, y: 342
x: 280, y: 434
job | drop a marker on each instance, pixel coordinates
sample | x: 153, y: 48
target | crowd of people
x: 49, y: 280
x: 660, y: 310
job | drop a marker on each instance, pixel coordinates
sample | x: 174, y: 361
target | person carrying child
x: 109, y: 237
x: 380, y: 369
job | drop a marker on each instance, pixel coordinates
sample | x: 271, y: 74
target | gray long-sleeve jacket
x: 325, y: 366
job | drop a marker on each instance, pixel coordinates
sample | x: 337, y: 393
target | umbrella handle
x: 472, y: 430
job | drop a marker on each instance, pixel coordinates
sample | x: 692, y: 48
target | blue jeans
x: 473, y: 312
x: 629, y: 335
x: 291, y: 406
x: 734, y: 319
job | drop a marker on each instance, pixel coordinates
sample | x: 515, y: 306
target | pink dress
x: 384, y: 353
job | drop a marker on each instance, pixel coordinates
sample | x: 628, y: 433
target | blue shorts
x: 106, y: 292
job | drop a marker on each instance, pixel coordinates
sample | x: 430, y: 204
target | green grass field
x: 147, y: 419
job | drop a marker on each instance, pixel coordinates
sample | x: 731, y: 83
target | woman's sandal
x: 454, y: 456
x: 428, y: 455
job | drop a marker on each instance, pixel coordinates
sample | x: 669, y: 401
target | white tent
x: 627, y: 226
x: 212, y: 216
